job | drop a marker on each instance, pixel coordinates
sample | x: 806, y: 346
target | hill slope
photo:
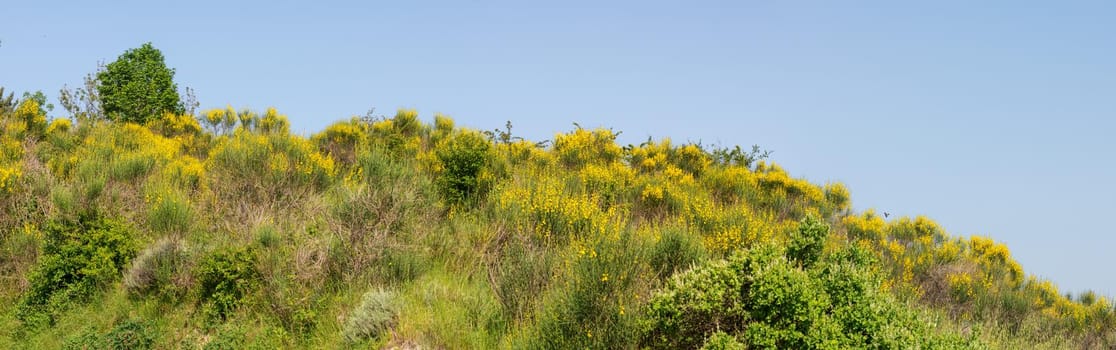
x: 226, y: 231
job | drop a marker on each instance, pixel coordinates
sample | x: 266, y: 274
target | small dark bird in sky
x: 886, y: 214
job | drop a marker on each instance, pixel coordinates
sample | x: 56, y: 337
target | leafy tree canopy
x: 138, y: 86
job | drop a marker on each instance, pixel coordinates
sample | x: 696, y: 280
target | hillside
x: 228, y: 231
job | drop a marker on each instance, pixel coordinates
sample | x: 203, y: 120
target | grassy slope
x: 463, y: 243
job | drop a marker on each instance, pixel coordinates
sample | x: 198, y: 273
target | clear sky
x: 994, y: 119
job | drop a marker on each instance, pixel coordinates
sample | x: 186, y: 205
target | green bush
x: 168, y: 210
x: 463, y: 159
x: 78, y: 259
x: 131, y: 335
x: 675, y: 251
x: 807, y: 243
x: 772, y: 298
x: 522, y: 272
x: 722, y: 341
x: 593, y: 307
x: 225, y: 278
x: 376, y: 314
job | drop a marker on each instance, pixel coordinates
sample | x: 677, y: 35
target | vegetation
x: 138, y: 86
x: 157, y: 228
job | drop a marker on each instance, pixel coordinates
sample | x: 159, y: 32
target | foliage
x: 775, y: 298
x: 159, y: 270
x: 595, y: 306
x: 79, y: 258
x: 127, y: 335
x: 806, y: 245
x: 267, y: 168
x: 225, y: 278
x: 463, y: 159
x: 375, y: 315
x: 583, y: 147
x: 259, y: 238
x: 138, y: 86
x: 722, y: 341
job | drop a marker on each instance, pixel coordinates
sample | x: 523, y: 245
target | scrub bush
x: 159, y: 270
x: 225, y: 278
x: 79, y: 258
x: 463, y: 159
x: 376, y: 314
x: 774, y: 298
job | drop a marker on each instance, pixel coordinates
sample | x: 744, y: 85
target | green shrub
x: 341, y: 140
x: 593, y: 307
x: 88, y: 339
x: 79, y: 258
x: 376, y: 314
x: 402, y: 264
x: 722, y: 341
x: 225, y: 278
x: 229, y: 337
x: 273, y: 171
x: 675, y: 251
x: 169, y: 210
x: 131, y: 335
x: 522, y: 272
x: 698, y: 302
x: 130, y: 166
x: 158, y: 270
x: 773, y: 298
x: 463, y: 159
x: 808, y: 241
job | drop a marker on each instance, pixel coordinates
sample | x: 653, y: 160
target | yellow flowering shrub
x: 729, y: 184
x: 9, y: 177
x: 59, y: 126
x: 651, y: 157
x: 340, y: 139
x: 773, y: 179
x: 583, y: 147
x: 996, y: 259
x: 275, y: 160
x: 837, y: 197
x: 273, y: 122
x: 174, y: 124
x: 962, y: 286
x: 658, y: 197
x: 10, y: 149
x: 220, y: 121
x: 30, y: 114
x: 867, y: 225
x: 552, y: 212
x: 608, y: 182
x: 402, y: 135
x: 186, y: 171
x: 168, y: 209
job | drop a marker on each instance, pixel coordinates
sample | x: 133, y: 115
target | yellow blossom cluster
x: 173, y: 124
x: 608, y: 181
x: 59, y: 126
x: 547, y: 208
x: 774, y: 180
x: 9, y: 175
x: 582, y: 147
x: 281, y: 158
x: 651, y: 157
x: 30, y: 118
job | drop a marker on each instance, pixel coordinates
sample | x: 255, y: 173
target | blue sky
x: 993, y: 118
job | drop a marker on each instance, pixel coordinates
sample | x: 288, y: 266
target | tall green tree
x: 138, y: 86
